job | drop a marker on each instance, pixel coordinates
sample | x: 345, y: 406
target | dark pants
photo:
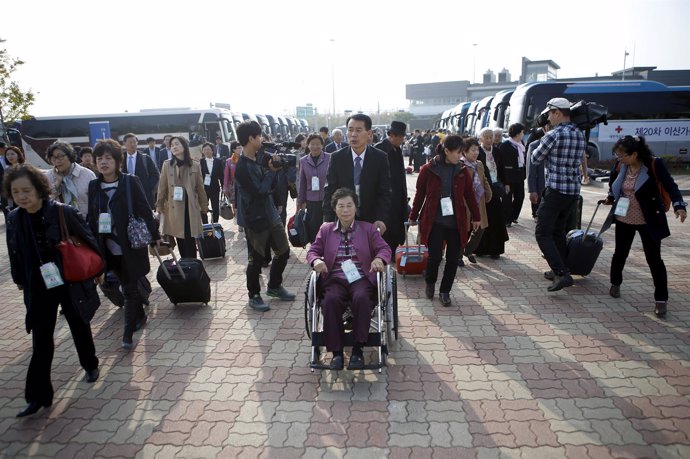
x: 315, y: 213
x: 134, y: 302
x: 512, y: 202
x: 436, y: 237
x: 336, y: 293
x: 38, y: 385
x: 214, y: 197
x: 186, y: 245
x: 652, y: 251
x: 256, y: 246
x: 550, y: 233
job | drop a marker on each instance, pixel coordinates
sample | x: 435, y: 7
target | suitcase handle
x: 154, y: 246
x: 407, y: 246
x: 592, y: 219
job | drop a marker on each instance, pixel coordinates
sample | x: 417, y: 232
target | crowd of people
x: 469, y: 192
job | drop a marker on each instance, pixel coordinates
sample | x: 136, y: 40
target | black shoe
x: 471, y: 258
x: 92, y: 375
x: 337, y: 363
x: 141, y: 322
x: 461, y: 263
x: 508, y: 225
x: 445, y: 299
x: 127, y: 341
x: 549, y: 275
x: 515, y: 221
x: 559, y: 282
x: 356, y: 362
x: 429, y: 291
x: 660, y: 309
x: 615, y: 291
x: 32, y: 408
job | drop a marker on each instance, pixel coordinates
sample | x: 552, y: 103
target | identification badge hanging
x: 622, y: 207
x: 207, y: 180
x: 51, y: 275
x: 351, y: 271
x: 314, y: 184
x: 105, y: 223
x: 178, y: 193
x: 446, y: 206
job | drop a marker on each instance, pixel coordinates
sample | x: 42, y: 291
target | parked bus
x: 500, y: 108
x: 305, y: 125
x: 481, y: 120
x: 459, y: 118
x: 265, y: 125
x: 470, y: 118
x: 196, y: 125
x: 658, y: 112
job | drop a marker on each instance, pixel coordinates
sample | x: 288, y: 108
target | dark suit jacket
x: 395, y: 226
x: 374, y: 184
x: 216, y: 175
x: 224, y: 151
x: 509, y: 156
x: 148, y: 174
x: 536, y: 181
x: 162, y: 157
x: 155, y: 156
x: 331, y: 147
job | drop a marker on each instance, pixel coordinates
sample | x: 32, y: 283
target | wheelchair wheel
x: 308, y: 305
x: 391, y: 309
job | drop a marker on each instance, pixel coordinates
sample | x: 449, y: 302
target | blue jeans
x: 552, y: 215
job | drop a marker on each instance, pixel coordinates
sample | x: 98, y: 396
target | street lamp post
x: 333, y: 73
x: 625, y: 56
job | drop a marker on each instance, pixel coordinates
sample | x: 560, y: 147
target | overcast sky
x: 270, y: 56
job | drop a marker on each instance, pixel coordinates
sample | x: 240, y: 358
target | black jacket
x: 332, y: 147
x: 155, y: 157
x: 135, y: 262
x: 648, y: 195
x: 216, y: 175
x: 254, y: 189
x: 395, y: 225
x: 24, y: 261
x: 147, y: 172
x: 374, y: 186
x: 509, y: 156
x: 224, y: 151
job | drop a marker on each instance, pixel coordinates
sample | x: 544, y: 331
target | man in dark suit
x: 364, y: 169
x: 165, y: 152
x: 221, y: 150
x: 337, y: 143
x: 141, y: 165
x: 153, y: 151
x: 323, y: 132
x: 395, y: 232
x: 212, y: 173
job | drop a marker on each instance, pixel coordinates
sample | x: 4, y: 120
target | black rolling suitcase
x: 583, y: 248
x: 211, y: 244
x: 184, y: 280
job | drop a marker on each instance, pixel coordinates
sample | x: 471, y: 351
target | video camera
x: 285, y: 159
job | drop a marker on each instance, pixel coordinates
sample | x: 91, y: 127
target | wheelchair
x: 383, y: 329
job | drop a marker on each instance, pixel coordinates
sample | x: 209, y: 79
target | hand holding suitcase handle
x: 160, y: 243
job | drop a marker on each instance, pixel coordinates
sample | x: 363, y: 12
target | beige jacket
x: 171, y: 211
x: 484, y: 222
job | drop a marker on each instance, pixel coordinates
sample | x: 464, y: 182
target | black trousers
x: 186, y: 245
x: 625, y: 234
x: 134, y: 302
x: 552, y: 215
x: 214, y: 197
x: 436, y: 237
x: 256, y: 247
x: 513, y: 200
x: 315, y: 213
x: 38, y: 385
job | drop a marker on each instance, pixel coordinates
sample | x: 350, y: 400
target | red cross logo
x: 618, y: 129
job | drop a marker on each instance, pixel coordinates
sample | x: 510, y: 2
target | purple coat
x: 307, y: 170
x: 367, y: 241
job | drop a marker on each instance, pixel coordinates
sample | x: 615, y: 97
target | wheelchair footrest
x: 323, y: 366
x: 374, y: 340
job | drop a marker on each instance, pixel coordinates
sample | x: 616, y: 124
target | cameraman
x: 257, y: 213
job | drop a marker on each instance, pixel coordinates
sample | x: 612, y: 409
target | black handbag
x: 137, y: 232
x: 498, y: 189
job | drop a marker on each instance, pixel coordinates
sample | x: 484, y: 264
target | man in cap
x: 395, y: 233
x: 562, y: 150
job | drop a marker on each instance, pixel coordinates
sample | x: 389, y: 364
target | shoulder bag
x: 79, y: 261
x: 137, y: 232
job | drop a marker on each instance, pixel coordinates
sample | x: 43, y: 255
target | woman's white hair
x: 486, y: 130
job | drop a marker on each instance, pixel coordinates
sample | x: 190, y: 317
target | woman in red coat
x: 443, y: 188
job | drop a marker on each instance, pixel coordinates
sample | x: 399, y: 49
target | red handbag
x: 79, y: 261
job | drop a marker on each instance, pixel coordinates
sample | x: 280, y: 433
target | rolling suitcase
x: 411, y: 259
x: 184, y: 280
x: 211, y: 244
x: 583, y: 248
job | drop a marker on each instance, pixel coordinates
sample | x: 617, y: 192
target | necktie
x: 358, y: 169
x: 130, y: 164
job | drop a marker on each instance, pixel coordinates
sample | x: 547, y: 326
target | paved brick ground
x: 509, y: 371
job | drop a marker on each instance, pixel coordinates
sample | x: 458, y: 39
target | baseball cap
x: 557, y: 102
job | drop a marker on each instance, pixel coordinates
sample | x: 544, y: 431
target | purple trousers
x: 336, y: 293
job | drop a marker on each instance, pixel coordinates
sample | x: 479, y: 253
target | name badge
x: 351, y: 271
x: 51, y: 275
x: 622, y: 207
x: 104, y: 223
x: 315, y: 184
x: 178, y: 193
x: 207, y: 180
x: 446, y: 207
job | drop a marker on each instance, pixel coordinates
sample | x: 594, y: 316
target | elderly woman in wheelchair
x: 347, y: 254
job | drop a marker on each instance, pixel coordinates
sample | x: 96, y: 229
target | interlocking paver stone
x: 508, y: 371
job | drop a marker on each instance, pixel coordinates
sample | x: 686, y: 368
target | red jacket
x: 428, y: 198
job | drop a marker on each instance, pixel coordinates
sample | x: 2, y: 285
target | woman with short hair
x: 69, y: 180
x: 312, y: 183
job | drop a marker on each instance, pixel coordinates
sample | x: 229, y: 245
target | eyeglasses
x: 58, y: 156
